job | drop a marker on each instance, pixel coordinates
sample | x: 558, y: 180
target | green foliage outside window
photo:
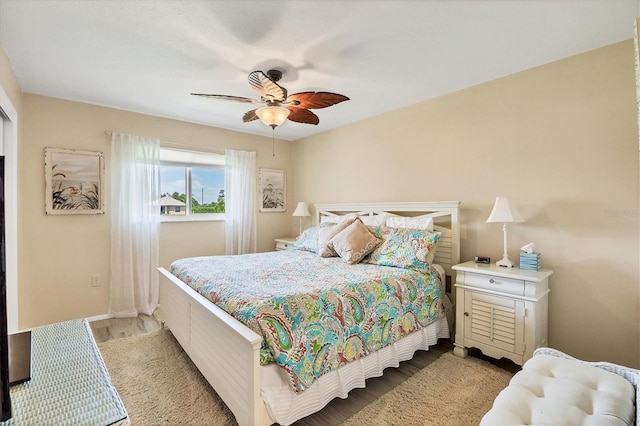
x: 213, y: 207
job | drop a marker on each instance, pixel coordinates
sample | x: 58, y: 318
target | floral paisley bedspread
x: 315, y: 313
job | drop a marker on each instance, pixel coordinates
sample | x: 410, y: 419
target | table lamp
x: 504, y: 211
x: 301, y: 211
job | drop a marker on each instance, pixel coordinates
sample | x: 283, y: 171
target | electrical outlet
x: 95, y: 281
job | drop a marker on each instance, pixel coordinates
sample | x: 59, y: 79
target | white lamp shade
x: 273, y: 115
x: 301, y: 210
x: 504, y: 210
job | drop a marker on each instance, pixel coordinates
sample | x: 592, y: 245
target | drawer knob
x: 492, y: 281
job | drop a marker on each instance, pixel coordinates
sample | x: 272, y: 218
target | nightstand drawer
x: 284, y: 245
x: 495, y: 283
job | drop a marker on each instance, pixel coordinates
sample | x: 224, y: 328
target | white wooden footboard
x: 226, y: 352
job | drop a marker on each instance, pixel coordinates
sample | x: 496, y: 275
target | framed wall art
x: 74, y: 181
x: 273, y: 190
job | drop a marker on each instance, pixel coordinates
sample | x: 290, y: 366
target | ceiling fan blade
x: 249, y: 116
x: 229, y: 98
x: 269, y: 90
x: 315, y: 100
x: 302, y: 115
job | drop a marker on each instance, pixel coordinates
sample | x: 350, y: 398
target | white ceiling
x: 147, y: 56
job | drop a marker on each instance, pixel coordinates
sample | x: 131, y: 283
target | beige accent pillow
x: 354, y: 242
x: 325, y: 234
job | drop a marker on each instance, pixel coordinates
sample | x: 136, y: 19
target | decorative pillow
x: 407, y: 248
x: 354, y: 242
x: 308, y: 240
x: 418, y: 222
x: 326, y: 233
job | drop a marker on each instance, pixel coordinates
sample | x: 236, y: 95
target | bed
x: 229, y: 354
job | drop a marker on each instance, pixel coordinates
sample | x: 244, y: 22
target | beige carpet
x: 449, y: 392
x: 159, y: 385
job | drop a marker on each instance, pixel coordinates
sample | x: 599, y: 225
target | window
x: 191, y: 185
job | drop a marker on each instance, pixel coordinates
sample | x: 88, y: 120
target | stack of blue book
x: 530, y: 261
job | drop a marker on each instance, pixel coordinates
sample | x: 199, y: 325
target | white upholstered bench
x: 555, y: 389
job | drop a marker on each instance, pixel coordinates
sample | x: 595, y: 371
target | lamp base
x: 505, y: 262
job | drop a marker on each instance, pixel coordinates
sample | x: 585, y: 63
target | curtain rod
x: 220, y: 151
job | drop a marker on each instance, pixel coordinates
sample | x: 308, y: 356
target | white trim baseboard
x: 99, y: 317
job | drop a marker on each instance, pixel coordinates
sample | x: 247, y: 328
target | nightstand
x: 285, y: 243
x: 501, y: 311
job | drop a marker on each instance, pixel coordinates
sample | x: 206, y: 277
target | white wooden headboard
x: 445, y: 214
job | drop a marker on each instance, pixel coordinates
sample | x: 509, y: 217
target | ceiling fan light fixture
x: 273, y: 116
x: 273, y: 96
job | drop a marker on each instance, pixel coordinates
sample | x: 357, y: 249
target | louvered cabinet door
x: 495, y: 321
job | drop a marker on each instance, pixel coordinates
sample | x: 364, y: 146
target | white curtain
x: 240, y: 202
x: 135, y: 220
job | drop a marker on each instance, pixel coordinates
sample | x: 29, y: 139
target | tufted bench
x: 555, y: 389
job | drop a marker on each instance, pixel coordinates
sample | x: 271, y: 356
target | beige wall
x: 561, y: 139
x: 61, y: 253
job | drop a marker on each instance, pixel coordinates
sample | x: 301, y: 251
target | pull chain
x: 273, y: 139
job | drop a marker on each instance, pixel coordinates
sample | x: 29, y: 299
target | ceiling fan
x: 278, y: 106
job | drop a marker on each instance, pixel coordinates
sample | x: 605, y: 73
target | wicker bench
x: 69, y: 384
x: 554, y: 388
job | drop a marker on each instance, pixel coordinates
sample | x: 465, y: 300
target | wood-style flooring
x: 337, y: 410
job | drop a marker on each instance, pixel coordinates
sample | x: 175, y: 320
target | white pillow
x: 337, y: 218
x: 377, y: 220
x: 419, y: 222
